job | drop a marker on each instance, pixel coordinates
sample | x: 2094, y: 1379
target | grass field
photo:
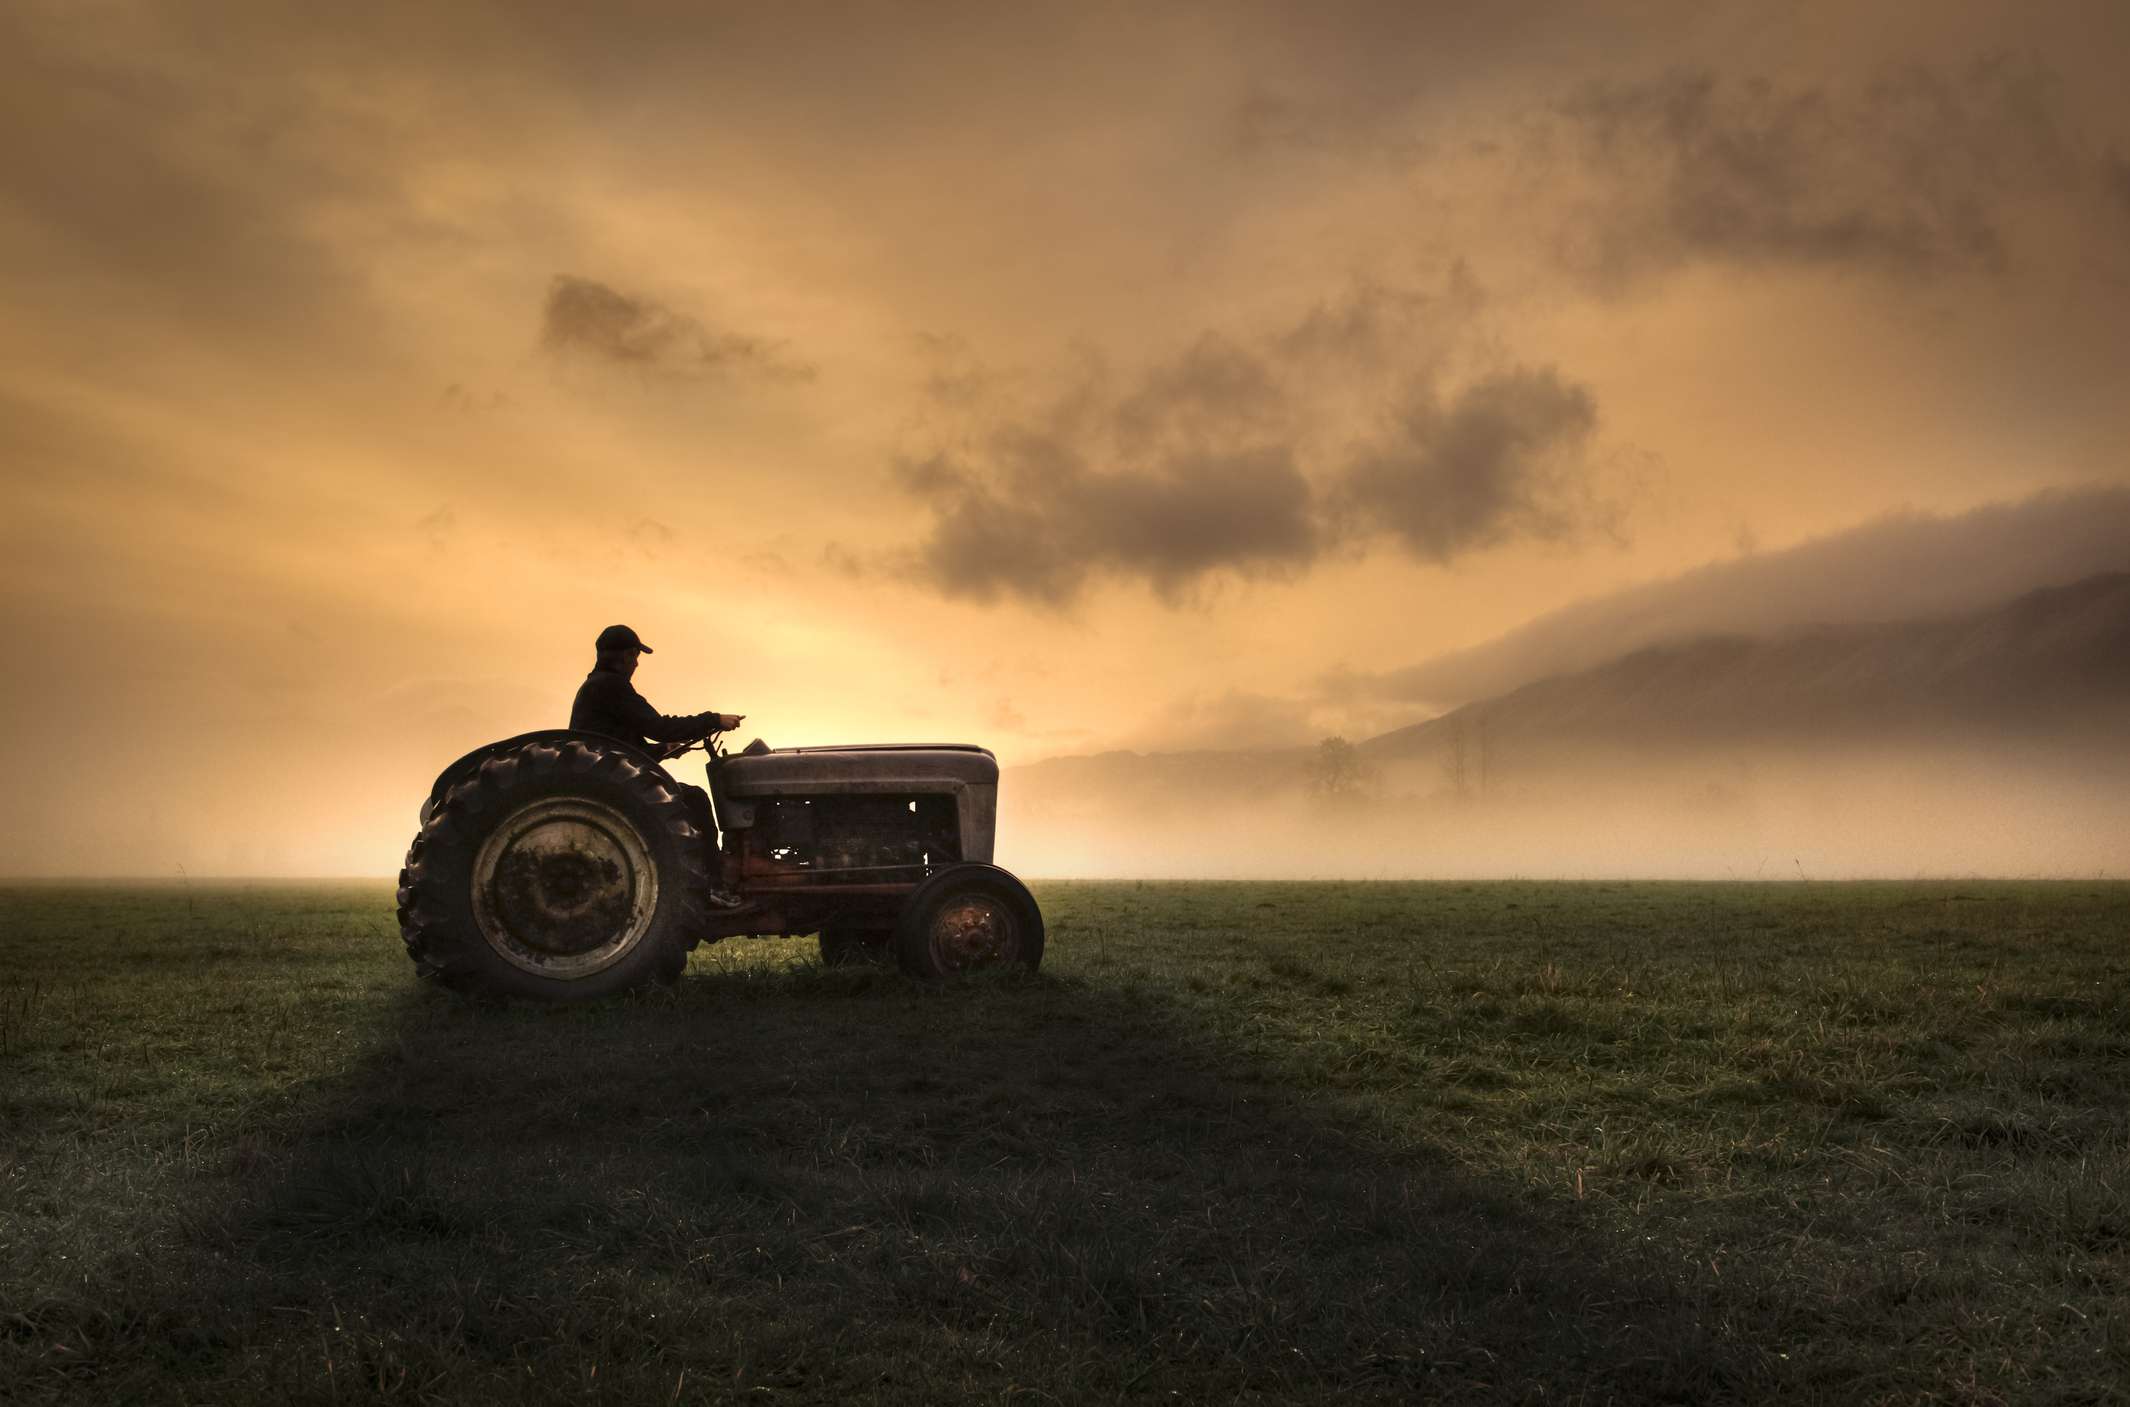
x: 1518, y: 1142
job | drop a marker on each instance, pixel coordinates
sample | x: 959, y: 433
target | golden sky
x: 1057, y: 377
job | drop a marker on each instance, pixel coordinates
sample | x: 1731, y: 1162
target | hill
x: 1907, y: 567
x: 2051, y: 663
x: 1988, y: 742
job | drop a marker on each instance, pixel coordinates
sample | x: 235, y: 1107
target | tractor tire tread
x: 445, y: 952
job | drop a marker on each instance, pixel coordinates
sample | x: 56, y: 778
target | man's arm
x: 670, y: 727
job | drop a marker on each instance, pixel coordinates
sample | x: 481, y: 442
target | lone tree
x: 1337, y: 773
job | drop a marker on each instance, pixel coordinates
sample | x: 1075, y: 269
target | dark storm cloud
x: 1479, y: 468
x: 1185, y: 472
x: 1219, y: 461
x: 587, y: 318
x: 1898, y: 568
x: 1054, y: 522
x: 1213, y: 386
x: 1374, y: 324
x: 1912, y: 174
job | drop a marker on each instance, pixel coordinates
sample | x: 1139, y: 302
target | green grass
x: 1517, y: 1142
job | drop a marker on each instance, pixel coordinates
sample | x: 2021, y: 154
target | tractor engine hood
x: 967, y: 773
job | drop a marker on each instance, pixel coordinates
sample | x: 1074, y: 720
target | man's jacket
x: 607, y: 703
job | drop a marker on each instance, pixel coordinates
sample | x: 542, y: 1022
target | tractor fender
x: 466, y: 766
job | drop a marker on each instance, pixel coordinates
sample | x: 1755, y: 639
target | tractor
x: 563, y: 865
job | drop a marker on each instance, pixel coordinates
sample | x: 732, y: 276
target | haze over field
x: 1696, y: 392
x: 1971, y: 743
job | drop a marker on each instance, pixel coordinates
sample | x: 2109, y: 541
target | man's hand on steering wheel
x: 720, y: 723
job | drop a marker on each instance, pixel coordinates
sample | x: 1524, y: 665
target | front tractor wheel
x: 557, y: 871
x: 967, y: 917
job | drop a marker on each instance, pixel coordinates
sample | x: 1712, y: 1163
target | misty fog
x: 1770, y: 813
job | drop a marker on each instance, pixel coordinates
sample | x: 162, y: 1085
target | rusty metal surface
x: 846, y: 840
x: 779, y: 890
x: 799, y: 771
x: 564, y: 887
x: 971, y: 930
x: 846, y: 834
x: 747, y: 787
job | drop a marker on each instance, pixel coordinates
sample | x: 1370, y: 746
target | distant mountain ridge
x: 2048, y: 662
x: 1904, y: 567
x: 2051, y: 658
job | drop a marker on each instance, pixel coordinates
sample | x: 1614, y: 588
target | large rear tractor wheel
x: 560, y: 870
x: 967, y: 917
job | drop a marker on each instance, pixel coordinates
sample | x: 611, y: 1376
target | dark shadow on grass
x: 833, y: 1184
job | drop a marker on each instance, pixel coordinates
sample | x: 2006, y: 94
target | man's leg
x: 697, y: 802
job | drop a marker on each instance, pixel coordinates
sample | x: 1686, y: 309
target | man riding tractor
x: 569, y: 864
x: 608, y: 704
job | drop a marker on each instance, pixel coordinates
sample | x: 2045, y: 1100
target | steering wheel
x: 713, y: 743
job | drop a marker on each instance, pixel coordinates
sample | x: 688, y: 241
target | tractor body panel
x: 746, y: 787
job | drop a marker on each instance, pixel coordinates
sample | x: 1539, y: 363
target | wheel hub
x: 564, y: 887
x: 971, y: 931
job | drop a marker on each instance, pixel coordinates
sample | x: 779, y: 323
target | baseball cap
x: 619, y: 637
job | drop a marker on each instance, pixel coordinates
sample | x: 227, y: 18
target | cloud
x: 198, y: 213
x: 587, y: 318
x: 1897, y: 568
x: 1911, y: 175
x: 1215, y: 386
x: 1485, y: 466
x: 650, y: 538
x: 1376, y: 324
x: 1055, y: 521
x: 1236, y: 456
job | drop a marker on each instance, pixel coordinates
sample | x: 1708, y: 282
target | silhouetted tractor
x: 560, y: 865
